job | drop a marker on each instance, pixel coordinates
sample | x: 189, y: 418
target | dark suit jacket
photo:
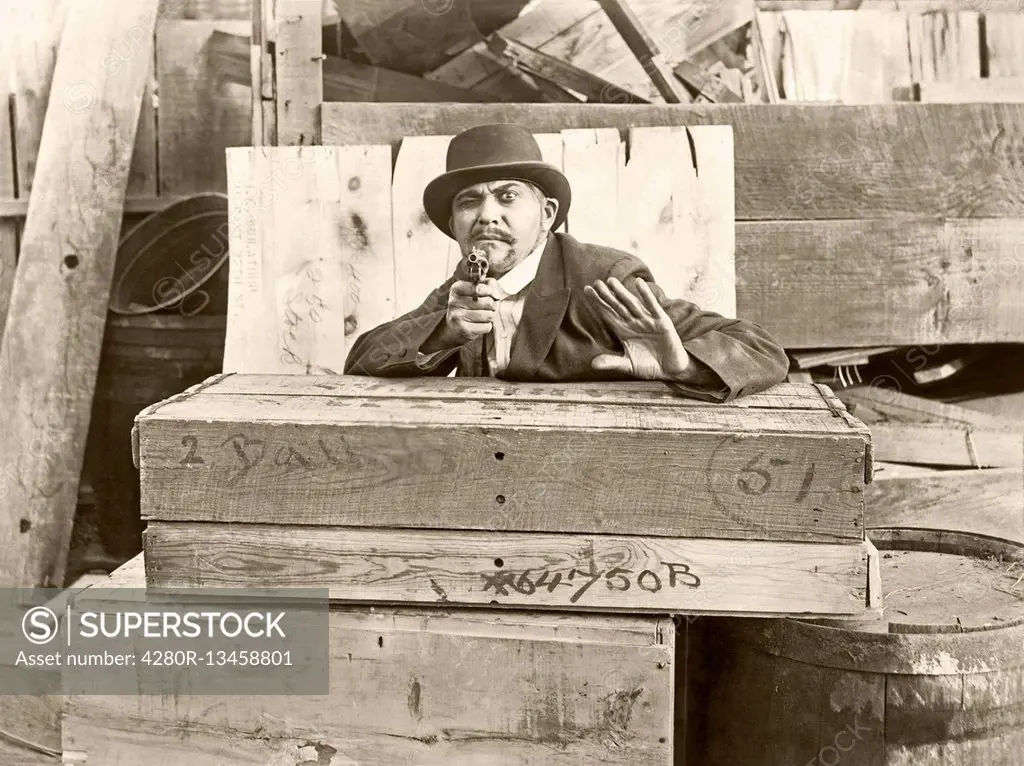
x: 561, y: 332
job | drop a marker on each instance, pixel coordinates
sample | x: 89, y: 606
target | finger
x: 473, y: 315
x: 463, y: 288
x: 609, y: 298
x: 628, y: 300
x: 472, y: 301
x: 612, y: 362
x: 650, y: 299
x: 603, y: 306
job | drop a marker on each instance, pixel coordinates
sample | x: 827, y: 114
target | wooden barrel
x: 939, y: 679
x: 146, y: 358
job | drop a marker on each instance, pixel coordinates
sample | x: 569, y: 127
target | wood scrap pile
x: 562, y: 51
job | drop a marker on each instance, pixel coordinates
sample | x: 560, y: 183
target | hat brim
x: 439, y: 193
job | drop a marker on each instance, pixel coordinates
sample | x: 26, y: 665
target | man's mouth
x: 492, y: 238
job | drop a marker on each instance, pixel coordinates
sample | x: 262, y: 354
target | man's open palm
x: 652, y: 345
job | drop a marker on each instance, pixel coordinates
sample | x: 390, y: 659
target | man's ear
x: 550, y: 211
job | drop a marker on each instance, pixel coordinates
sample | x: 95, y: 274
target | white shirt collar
x: 523, y: 272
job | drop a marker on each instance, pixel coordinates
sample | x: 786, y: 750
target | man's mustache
x: 499, y: 235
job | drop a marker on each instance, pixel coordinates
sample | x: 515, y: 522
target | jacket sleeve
x: 734, y: 357
x: 392, y: 349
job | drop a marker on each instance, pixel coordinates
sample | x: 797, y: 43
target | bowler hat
x: 489, y: 153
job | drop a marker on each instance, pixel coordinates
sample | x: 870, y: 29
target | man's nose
x: 490, y: 210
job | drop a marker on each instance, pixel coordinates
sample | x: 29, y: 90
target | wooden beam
x: 50, y: 351
x: 343, y: 80
x: 591, y: 87
x: 793, y: 161
x: 18, y: 208
x: 531, y: 571
x: 298, y: 71
x: 646, y: 51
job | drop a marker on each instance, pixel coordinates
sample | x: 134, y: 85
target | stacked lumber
x: 941, y: 466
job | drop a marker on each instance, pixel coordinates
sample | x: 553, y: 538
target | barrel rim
x: 973, y: 650
x: 118, y: 308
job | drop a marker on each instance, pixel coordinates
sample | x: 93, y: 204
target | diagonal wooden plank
x: 312, y: 261
x: 50, y: 350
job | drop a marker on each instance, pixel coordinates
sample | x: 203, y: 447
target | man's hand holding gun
x: 471, y: 306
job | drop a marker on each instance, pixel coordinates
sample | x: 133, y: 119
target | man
x: 552, y: 308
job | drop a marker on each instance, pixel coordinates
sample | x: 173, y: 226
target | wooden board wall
x: 327, y: 243
x: 892, y: 224
x: 859, y: 56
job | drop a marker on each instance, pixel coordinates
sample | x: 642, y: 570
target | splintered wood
x: 439, y: 490
x: 437, y: 687
x: 302, y: 220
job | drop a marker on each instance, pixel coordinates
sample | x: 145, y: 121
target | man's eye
x: 510, y: 195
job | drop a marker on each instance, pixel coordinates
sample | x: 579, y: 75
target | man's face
x: 506, y: 219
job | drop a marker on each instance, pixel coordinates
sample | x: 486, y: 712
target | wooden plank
x: 849, y: 57
x: 378, y: 457
x: 782, y: 396
x: 1004, y: 41
x: 987, y: 501
x: 535, y: 62
x: 33, y: 56
x: 952, y: 281
x: 946, y: 445
x: 199, y: 117
x: 874, y: 404
x: 133, y: 205
x: 678, y: 207
x: 537, y: 24
x: 142, y: 175
x: 794, y: 161
x: 8, y: 229
x: 594, y: 161
x: 449, y: 687
x: 422, y: 252
x: 298, y: 69
x: 598, y: 573
x: 50, y: 351
x: 294, y: 300
x: 1009, y: 89
x: 944, y: 45
x: 636, y: 35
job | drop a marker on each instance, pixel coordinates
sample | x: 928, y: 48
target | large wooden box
x: 433, y: 687
x: 611, y: 458
x: 596, y: 497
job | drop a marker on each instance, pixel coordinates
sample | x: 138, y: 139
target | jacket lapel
x: 547, y: 299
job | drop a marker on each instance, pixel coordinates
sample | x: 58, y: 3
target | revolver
x: 477, y: 262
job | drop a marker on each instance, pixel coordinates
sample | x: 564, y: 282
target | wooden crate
x: 437, y: 687
x: 478, y: 492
